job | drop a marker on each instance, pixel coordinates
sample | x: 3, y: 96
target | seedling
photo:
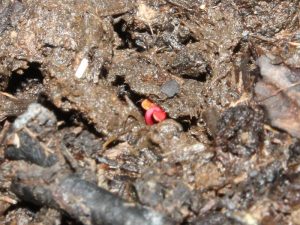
x: 153, y: 113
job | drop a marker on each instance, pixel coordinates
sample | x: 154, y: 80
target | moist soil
x: 75, y: 148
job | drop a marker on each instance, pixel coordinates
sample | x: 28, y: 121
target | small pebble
x: 170, y: 88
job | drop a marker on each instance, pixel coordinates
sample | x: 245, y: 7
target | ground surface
x: 75, y: 148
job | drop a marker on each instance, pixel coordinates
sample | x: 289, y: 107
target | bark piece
x: 279, y: 93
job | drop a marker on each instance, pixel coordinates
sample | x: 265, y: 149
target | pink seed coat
x: 154, y: 110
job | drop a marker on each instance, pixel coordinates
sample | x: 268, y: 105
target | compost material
x: 161, y: 112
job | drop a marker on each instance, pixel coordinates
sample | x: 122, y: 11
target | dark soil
x: 75, y: 148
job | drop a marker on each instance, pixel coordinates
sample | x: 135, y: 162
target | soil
x: 75, y: 147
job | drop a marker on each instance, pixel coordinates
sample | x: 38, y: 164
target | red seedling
x: 153, y: 112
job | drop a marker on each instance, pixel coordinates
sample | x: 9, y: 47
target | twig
x: 8, y: 200
x: 278, y: 91
x: 262, y: 38
x: 8, y: 95
x: 294, y: 43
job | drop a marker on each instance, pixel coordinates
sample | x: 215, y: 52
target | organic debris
x: 279, y: 93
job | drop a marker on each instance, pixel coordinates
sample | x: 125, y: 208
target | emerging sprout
x: 153, y: 112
